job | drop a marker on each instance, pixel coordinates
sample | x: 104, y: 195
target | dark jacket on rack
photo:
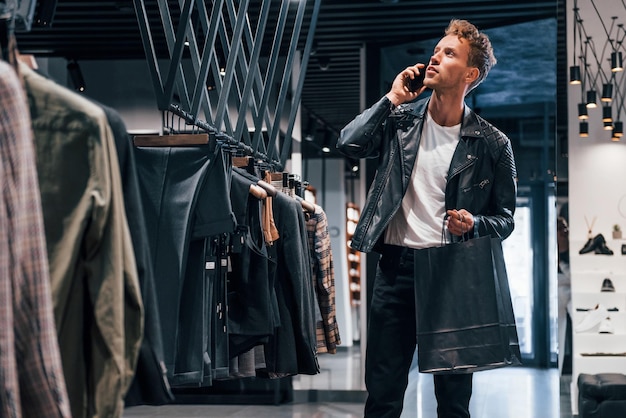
x: 150, y: 385
x: 481, y: 177
x: 293, y: 348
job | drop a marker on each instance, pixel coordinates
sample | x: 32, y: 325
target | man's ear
x: 472, y: 75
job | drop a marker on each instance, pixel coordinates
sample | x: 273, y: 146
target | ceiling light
x: 591, y: 99
x: 583, y: 129
x: 323, y: 62
x: 76, y: 76
x: 616, y: 62
x: 618, y: 129
x: 607, y: 92
x: 582, y: 111
x: 574, y: 74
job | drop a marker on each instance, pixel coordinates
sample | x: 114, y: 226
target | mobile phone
x: 417, y: 82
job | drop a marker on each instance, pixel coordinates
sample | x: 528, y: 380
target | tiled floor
x: 337, y: 392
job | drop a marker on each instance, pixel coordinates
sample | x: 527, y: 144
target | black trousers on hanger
x: 185, y: 193
x: 391, y: 339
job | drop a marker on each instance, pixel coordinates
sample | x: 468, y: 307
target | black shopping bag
x: 465, y: 319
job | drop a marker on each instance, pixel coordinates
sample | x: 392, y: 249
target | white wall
x: 597, y: 200
x: 597, y: 166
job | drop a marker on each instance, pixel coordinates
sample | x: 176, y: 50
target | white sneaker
x: 606, y: 327
x: 592, y: 318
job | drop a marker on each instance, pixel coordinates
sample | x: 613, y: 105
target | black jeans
x: 391, y: 343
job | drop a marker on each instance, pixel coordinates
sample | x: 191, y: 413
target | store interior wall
x: 597, y: 202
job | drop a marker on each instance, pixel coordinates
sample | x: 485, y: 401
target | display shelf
x: 594, y: 352
x: 591, y: 281
x: 590, y: 262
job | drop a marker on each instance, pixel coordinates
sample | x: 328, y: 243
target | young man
x: 436, y: 158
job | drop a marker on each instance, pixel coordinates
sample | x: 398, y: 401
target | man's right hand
x: 400, y: 88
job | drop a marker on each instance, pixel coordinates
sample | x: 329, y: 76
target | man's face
x: 448, y: 67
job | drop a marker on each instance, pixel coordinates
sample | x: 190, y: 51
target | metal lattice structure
x: 219, y: 77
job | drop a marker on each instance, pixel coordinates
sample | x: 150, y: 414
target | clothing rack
x: 221, y: 137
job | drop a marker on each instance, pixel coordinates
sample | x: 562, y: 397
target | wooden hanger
x: 174, y: 140
x: 241, y: 161
x: 271, y: 190
x: 306, y: 205
x: 257, y: 191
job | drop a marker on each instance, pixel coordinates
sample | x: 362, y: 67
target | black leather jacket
x: 481, y: 178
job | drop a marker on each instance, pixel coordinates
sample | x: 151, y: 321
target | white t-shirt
x: 419, y: 221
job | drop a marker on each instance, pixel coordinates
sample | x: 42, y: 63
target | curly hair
x: 481, y: 52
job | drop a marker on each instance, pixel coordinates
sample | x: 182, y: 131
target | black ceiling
x: 87, y: 30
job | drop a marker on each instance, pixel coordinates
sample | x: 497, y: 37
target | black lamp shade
x: 582, y: 111
x: 608, y: 126
x: 618, y: 129
x: 574, y: 74
x: 607, y: 92
x: 76, y: 76
x: 616, y: 62
x: 607, y: 114
x: 583, y: 129
x: 591, y: 99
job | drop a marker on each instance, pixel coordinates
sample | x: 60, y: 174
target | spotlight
x: 606, y: 114
x: 76, y: 75
x: 326, y: 143
x: 616, y: 62
x: 591, y: 99
x: 324, y: 63
x: 574, y: 74
x: 310, y: 130
x: 618, y: 129
x: 607, y: 92
x: 582, y: 111
x: 583, y: 129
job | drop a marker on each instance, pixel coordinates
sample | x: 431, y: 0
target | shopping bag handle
x: 443, y: 231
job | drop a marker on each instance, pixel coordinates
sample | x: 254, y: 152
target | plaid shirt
x: 323, y: 275
x: 31, y: 374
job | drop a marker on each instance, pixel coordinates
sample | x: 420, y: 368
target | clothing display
x: 139, y: 269
x: 233, y: 273
x: 164, y: 270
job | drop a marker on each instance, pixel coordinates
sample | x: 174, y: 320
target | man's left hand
x: 460, y: 221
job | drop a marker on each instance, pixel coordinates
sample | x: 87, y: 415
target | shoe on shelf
x: 607, y: 286
x: 603, y: 249
x: 597, y: 245
x: 606, y: 327
x: 589, y: 246
x: 591, y: 319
